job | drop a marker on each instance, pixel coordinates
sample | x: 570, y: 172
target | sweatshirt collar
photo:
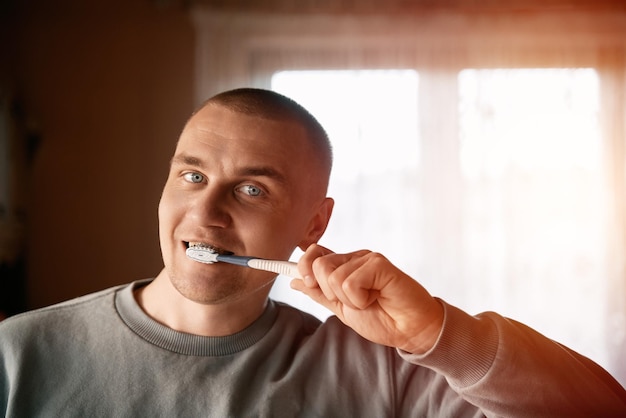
x: 183, y: 343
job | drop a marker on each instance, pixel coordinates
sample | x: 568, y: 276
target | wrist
x: 427, y: 337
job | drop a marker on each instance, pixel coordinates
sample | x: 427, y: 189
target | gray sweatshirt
x: 101, y: 356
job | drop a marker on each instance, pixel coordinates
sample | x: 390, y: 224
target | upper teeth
x: 203, y: 246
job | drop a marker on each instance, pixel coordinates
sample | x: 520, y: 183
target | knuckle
x: 335, y: 279
x: 350, y: 286
x: 376, y: 258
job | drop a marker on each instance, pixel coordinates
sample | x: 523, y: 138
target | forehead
x: 215, y: 124
x: 226, y: 139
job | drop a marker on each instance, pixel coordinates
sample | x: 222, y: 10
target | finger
x: 332, y: 286
x: 322, y: 270
x: 357, y: 290
x: 359, y: 285
x: 305, y: 264
x: 332, y: 270
x: 316, y: 294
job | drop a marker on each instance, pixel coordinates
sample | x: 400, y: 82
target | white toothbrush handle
x: 287, y: 268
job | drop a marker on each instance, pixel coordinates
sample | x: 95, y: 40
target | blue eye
x: 251, y: 190
x: 194, y: 177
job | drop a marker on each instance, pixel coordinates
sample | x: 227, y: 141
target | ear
x: 318, y: 223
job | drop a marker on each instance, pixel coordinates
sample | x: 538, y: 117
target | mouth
x: 208, y: 247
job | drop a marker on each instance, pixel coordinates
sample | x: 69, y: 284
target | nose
x: 211, y: 207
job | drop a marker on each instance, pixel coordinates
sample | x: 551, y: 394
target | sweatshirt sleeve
x: 507, y: 369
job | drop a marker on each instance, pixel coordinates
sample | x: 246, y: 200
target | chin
x: 207, y: 286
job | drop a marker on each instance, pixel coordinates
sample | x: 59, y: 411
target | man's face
x: 241, y: 184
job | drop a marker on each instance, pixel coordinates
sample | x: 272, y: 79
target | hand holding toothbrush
x: 372, y: 296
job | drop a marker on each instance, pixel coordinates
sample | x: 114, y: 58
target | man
x: 249, y: 177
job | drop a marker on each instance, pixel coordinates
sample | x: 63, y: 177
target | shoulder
x: 308, y: 324
x: 67, y: 312
x: 297, y: 317
x: 330, y: 336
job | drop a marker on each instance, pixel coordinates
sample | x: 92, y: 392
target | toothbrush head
x: 202, y: 254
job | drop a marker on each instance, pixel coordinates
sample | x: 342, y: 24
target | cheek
x: 263, y: 234
x: 163, y: 226
x: 285, y: 232
x: 164, y: 208
x: 171, y: 201
x: 167, y: 215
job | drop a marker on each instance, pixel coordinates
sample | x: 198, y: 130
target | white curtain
x: 538, y: 236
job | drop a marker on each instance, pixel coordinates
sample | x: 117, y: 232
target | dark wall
x: 105, y: 86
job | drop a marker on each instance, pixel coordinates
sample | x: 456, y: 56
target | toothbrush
x: 206, y: 255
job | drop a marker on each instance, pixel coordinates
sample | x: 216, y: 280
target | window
x: 534, y: 199
x: 512, y: 222
x: 371, y: 118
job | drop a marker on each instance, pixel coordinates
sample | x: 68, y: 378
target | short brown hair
x: 269, y: 104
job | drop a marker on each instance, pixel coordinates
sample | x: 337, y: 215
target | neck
x: 161, y: 301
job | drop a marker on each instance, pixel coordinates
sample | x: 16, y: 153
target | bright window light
x: 532, y: 119
x: 513, y: 222
x: 370, y: 115
x: 372, y: 121
x: 535, y: 206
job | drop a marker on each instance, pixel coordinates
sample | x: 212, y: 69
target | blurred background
x: 479, y: 145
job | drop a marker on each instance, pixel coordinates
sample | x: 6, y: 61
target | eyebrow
x: 186, y: 160
x: 252, y: 171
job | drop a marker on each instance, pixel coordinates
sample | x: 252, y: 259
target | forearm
x: 506, y: 368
